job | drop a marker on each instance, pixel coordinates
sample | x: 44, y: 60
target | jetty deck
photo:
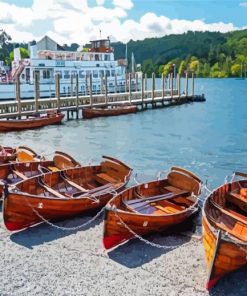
x: 76, y: 102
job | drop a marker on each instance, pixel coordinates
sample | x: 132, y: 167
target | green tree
x: 236, y: 70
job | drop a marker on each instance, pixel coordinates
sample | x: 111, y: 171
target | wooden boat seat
x: 175, y: 190
x: 53, y: 168
x: 238, y: 215
x: 104, y: 178
x: 19, y: 174
x: 167, y: 210
x: 237, y: 196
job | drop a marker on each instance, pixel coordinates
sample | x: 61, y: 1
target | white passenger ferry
x: 48, y: 58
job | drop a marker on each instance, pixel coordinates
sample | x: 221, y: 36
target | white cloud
x: 125, y: 4
x: 75, y: 21
x: 243, y: 4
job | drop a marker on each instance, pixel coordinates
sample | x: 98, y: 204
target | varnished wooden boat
x: 151, y: 207
x: 224, y: 225
x: 12, y: 173
x: 88, y: 113
x: 22, y: 154
x: 30, y: 122
x: 63, y: 194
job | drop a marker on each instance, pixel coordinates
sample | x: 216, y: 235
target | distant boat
x: 151, y: 207
x: 224, y: 230
x: 88, y: 113
x: 30, y: 122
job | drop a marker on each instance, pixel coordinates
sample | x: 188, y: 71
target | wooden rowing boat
x: 88, y: 113
x: 151, y: 207
x: 224, y: 226
x: 12, y: 173
x: 62, y: 194
x: 21, y: 154
x: 30, y: 122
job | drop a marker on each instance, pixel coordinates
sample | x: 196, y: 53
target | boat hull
x: 20, y: 211
x: 115, y: 231
x: 222, y: 254
x: 30, y: 123
x: 98, y: 112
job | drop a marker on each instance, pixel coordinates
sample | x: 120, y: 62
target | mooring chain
x: 142, y: 239
x: 61, y: 227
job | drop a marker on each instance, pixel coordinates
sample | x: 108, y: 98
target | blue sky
x: 121, y: 19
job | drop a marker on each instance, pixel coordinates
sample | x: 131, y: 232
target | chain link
x: 143, y: 239
x: 61, y: 227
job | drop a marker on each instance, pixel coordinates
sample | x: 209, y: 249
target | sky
x: 80, y: 21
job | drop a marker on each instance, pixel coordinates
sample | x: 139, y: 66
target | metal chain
x: 142, y: 239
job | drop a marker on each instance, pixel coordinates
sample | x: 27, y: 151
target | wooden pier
x: 73, y: 104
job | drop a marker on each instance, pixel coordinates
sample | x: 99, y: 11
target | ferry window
x: 44, y: 74
x: 113, y: 73
x: 74, y: 73
x: 66, y: 74
x: 105, y: 57
x: 96, y: 57
x: 22, y: 76
x: 94, y: 87
x: 81, y: 74
x: 88, y: 72
x: 110, y: 84
x: 48, y: 74
x: 102, y: 73
x: 95, y: 74
x: 107, y: 73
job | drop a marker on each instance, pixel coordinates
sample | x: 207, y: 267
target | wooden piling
x: 115, y: 83
x: 18, y: 94
x: 171, y: 78
x: 77, y: 95
x: 126, y: 82
x: 71, y: 85
x: 163, y: 85
x: 178, y: 85
x: 90, y: 90
x: 106, y: 90
x: 57, y: 80
x: 186, y: 84
x: 36, y: 92
x: 142, y: 89
x: 153, y: 86
x: 130, y: 87
x: 136, y: 75
x: 145, y: 83
x: 101, y: 84
x: 193, y: 84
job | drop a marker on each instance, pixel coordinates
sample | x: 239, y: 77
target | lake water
x: 208, y: 138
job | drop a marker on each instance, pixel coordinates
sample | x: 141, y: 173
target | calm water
x: 208, y: 138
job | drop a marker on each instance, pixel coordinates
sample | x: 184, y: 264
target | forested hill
x: 206, y: 53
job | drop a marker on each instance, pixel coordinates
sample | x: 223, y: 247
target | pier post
x: 171, y: 78
x: 106, y: 98
x: 136, y: 88
x: 142, y: 90
x: 169, y: 81
x: 90, y: 89
x: 163, y: 85
x: 115, y: 82
x: 186, y: 84
x: 71, y: 85
x: 101, y: 84
x: 153, y: 86
x: 130, y: 87
x: 178, y: 85
x: 36, y: 91
x: 57, y: 80
x: 145, y: 82
x: 86, y: 86
x: 77, y: 95
x: 18, y: 94
x: 193, y: 84
x: 126, y: 82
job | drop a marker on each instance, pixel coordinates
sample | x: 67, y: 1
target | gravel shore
x: 44, y: 260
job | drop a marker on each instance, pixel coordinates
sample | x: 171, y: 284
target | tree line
x: 207, y: 54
